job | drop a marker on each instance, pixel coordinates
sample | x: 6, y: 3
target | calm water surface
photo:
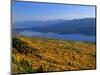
x: 73, y: 37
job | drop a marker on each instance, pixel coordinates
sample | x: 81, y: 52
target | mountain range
x: 86, y: 26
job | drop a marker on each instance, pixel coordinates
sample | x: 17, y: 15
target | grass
x: 34, y: 55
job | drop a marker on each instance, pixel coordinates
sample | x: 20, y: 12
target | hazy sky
x: 25, y: 11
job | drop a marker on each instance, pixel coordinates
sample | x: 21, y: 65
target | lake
x: 72, y: 37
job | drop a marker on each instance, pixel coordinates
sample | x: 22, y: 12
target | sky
x: 28, y: 11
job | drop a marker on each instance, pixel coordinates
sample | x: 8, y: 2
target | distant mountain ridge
x: 85, y: 26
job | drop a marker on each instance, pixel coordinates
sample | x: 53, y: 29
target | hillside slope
x: 32, y: 54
